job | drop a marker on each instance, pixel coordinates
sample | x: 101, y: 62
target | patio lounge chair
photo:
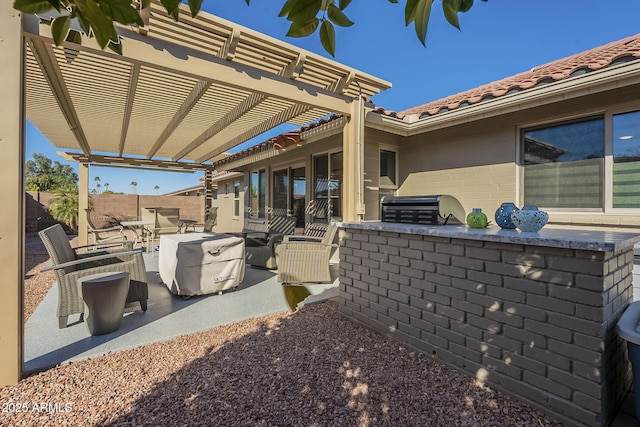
x: 260, y: 249
x: 211, y: 220
x: 69, y: 265
x: 107, y: 235
x: 305, y: 259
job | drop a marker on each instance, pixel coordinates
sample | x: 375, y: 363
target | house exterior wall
x: 478, y: 168
x: 477, y: 162
x: 226, y: 221
x: 375, y: 140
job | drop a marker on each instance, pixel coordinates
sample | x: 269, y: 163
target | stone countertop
x: 554, y: 236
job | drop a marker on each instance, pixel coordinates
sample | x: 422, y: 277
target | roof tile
x: 590, y: 60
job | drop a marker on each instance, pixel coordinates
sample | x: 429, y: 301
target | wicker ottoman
x: 104, y: 296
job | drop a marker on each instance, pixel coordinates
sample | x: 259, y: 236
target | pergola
x: 181, y: 94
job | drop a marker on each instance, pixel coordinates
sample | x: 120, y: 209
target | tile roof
x: 627, y: 49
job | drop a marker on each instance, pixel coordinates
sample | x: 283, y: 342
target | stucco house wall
x: 476, y: 167
x: 226, y: 220
x: 478, y: 162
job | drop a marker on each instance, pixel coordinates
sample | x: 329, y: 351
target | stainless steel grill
x: 428, y: 210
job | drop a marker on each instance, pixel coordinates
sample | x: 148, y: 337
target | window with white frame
x: 576, y: 165
x: 626, y: 160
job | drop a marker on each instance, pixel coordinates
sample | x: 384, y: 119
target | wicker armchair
x: 305, y: 259
x: 69, y: 265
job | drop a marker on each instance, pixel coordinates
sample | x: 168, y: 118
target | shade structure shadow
x: 168, y: 316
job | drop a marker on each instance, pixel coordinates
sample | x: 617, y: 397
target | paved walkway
x: 168, y: 316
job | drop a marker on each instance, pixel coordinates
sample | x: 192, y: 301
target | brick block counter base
x: 532, y: 314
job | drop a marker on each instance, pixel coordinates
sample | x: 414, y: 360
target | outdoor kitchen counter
x: 532, y: 314
x: 553, y: 236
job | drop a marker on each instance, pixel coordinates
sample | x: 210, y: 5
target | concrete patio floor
x: 168, y: 316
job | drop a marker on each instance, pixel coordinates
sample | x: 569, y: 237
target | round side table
x: 104, y: 296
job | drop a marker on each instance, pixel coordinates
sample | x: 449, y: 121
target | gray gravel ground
x: 309, y: 368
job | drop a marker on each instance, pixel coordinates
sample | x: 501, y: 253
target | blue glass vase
x: 503, y: 215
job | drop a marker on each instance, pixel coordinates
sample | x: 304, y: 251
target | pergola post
x: 208, y: 193
x: 353, y: 163
x: 83, y: 203
x: 12, y: 193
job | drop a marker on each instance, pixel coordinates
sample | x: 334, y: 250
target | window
x: 626, y: 160
x: 388, y: 177
x: 258, y: 192
x: 328, y: 176
x: 564, y: 165
x: 591, y: 164
x: 236, y: 199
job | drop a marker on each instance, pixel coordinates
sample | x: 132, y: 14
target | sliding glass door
x: 327, y: 178
x: 289, y: 193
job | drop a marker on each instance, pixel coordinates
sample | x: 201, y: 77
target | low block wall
x: 110, y: 207
x: 537, y: 322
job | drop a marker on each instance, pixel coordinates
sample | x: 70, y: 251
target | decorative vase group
x: 529, y: 219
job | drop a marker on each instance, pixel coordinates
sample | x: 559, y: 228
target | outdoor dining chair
x: 70, y: 265
x: 165, y: 221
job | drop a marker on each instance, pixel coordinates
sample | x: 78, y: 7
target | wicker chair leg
x: 62, y: 322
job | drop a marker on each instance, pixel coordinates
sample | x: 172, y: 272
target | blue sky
x: 499, y: 38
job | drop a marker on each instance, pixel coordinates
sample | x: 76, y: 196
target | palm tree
x: 134, y: 185
x: 64, y: 206
x: 97, y: 180
x: 106, y: 186
x: 98, y: 188
x: 156, y: 188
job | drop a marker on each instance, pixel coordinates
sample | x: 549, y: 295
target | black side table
x: 104, y: 296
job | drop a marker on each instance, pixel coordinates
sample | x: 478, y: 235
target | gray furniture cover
x: 201, y: 263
